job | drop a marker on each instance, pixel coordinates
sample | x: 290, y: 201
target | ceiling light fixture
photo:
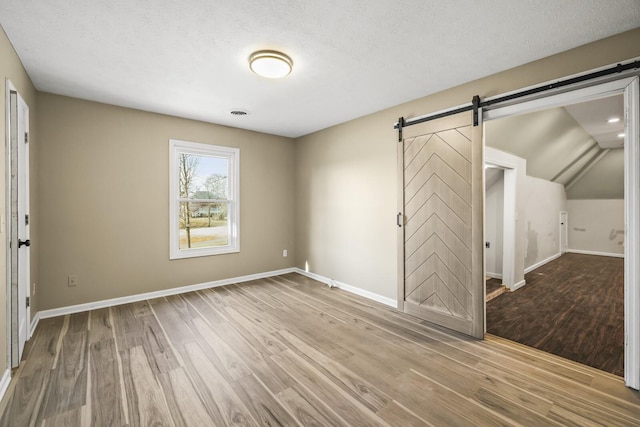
x: 270, y: 64
x: 621, y: 135
x: 613, y: 120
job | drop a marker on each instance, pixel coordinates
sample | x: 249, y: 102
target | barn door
x: 440, y: 223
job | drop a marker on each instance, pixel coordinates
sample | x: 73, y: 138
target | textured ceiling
x: 188, y: 58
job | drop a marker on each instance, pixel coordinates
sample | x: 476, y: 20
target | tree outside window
x: 204, y: 203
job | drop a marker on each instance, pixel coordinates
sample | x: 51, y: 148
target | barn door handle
x: 22, y: 243
x: 398, y: 219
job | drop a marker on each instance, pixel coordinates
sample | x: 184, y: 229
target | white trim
x: 563, y: 232
x: 232, y: 155
x: 541, y: 263
x: 580, y: 251
x: 4, y: 382
x: 493, y: 275
x: 44, y: 314
x: 557, y: 94
x: 508, y: 163
x: 7, y: 214
x: 349, y: 288
x: 34, y: 324
x: 617, y: 85
x: 596, y: 91
x: 632, y: 237
x: 519, y: 285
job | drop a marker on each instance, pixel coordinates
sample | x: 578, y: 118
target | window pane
x: 203, y: 224
x: 203, y: 177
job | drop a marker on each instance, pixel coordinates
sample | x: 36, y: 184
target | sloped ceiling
x: 188, y: 58
x: 559, y: 149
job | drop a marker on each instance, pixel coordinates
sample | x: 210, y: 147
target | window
x: 204, y: 190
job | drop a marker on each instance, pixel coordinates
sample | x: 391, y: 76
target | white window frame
x: 177, y: 147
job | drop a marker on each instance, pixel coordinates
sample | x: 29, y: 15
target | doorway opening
x: 493, y: 230
x: 17, y: 211
x: 572, y: 208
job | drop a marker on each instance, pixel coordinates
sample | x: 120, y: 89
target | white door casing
x: 564, y: 233
x: 629, y: 87
x: 18, y: 240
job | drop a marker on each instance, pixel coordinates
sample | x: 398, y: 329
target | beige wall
x: 11, y: 68
x: 104, y: 202
x: 346, y: 191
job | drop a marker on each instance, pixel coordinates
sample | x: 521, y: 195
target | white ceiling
x: 188, y: 58
x: 594, y: 117
x: 572, y: 145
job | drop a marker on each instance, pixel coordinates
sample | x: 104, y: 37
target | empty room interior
x: 572, y: 213
x: 320, y: 213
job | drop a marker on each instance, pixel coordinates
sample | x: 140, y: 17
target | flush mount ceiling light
x: 270, y: 64
x: 621, y: 135
x: 613, y: 120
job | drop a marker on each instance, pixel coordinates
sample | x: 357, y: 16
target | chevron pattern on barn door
x: 438, y: 215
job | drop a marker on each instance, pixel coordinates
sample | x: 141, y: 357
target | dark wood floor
x: 493, y: 285
x: 572, y: 307
x: 290, y: 351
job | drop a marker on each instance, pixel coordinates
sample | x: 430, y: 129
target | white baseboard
x: 580, y: 251
x: 44, y: 314
x: 493, y: 275
x: 541, y: 263
x: 349, y: 288
x: 34, y: 324
x: 519, y: 285
x: 4, y: 382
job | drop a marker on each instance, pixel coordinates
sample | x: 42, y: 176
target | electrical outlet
x: 285, y: 253
x: 72, y: 280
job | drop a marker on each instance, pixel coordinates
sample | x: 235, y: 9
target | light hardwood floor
x: 290, y: 351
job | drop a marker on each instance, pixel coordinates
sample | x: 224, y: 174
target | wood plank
x: 101, y: 326
x: 348, y: 361
x: 261, y: 403
x: 220, y: 400
x: 105, y: 392
x: 68, y: 418
x: 440, y: 178
x: 68, y: 387
x: 359, y: 388
x: 185, y: 405
x: 441, y: 406
x: 24, y: 399
x: 220, y: 353
x: 347, y: 407
x: 397, y: 415
x: 146, y: 401
x: 305, y: 412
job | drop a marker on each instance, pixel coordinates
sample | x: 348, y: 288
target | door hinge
x: 28, y: 302
x: 26, y: 137
x: 26, y: 219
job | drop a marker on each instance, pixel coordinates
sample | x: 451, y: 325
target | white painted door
x: 564, y: 234
x: 19, y: 224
